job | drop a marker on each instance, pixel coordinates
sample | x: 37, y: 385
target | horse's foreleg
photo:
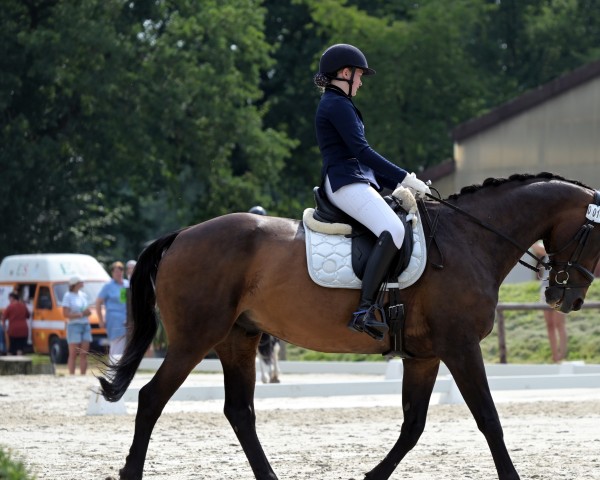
x: 469, y: 374
x: 151, y: 400
x: 237, y: 354
x: 417, y: 385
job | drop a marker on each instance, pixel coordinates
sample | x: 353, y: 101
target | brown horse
x: 222, y: 282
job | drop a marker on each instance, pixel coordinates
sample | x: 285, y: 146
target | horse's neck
x: 529, y: 208
x: 524, y: 213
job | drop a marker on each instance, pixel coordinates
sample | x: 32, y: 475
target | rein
x: 562, y: 276
x: 492, y: 229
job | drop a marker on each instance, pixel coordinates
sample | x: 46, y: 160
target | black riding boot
x: 364, y: 319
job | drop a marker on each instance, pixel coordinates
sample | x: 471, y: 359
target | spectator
x: 258, y: 210
x: 2, y: 340
x: 14, y: 319
x: 113, y: 296
x: 79, y: 331
x: 555, y: 321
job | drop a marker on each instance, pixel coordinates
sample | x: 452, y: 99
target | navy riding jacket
x: 347, y: 156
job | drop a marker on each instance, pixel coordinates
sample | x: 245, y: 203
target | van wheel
x: 59, y: 351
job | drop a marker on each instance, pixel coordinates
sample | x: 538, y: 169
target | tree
x: 61, y: 91
x: 111, y: 104
x: 426, y: 82
x: 291, y: 98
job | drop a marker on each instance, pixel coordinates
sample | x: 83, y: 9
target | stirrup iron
x: 364, y: 320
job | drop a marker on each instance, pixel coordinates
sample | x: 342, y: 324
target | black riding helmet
x: 343, y: 55
x: 339, y: 56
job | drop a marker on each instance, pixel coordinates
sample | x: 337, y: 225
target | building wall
x: 561, y: 135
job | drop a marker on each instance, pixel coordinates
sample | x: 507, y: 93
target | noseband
x: 561, y: 278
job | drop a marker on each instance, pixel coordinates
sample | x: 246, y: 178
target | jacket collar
x: 337, y: 90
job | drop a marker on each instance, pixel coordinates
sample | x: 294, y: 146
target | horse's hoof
x: 123, y: 475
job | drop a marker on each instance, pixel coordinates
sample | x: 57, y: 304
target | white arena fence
x: 386, y: 380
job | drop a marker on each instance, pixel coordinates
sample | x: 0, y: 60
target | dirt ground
x: 43, y: 421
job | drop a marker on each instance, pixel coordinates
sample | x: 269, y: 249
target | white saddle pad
x: 329, y: 257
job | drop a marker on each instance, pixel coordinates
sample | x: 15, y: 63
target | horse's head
x: 573, y: 248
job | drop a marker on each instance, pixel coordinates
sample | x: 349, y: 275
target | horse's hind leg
x: 151, y: 400
x: 418, y: 380
x: 237, y: 354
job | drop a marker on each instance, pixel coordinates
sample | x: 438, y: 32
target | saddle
x: 363, y: 240
x: 338, y: 248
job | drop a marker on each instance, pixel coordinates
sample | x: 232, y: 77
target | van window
x: 44, y: 300
x: 59, y: 292
x: 27, y: 292
x: 91, y: 289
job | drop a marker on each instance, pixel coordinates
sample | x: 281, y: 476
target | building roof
x: 438, y: 171
x: 528, y: 100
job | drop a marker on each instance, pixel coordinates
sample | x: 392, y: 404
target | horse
x: 220, y: 283
x: 268, y: 358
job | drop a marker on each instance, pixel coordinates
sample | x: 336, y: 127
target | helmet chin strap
x: 350, y: 82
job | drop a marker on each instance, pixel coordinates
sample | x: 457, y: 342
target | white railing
x: 386, y: 379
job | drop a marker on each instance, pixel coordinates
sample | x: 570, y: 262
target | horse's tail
x: 143, y: 322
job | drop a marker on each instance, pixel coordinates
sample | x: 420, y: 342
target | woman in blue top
x: 114, y: 297
x: 353, y: 173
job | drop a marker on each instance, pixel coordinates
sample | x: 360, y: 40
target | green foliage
x: 526, y: 337
x: 107, y: 105
x: 302, y: 354
x: 60, y: 124
x: 291, y: 99
x: 11, y: 469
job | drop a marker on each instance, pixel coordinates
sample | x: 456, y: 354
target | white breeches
x: 364, y: 204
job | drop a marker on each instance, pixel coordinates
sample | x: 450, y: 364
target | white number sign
x: 593, y: 213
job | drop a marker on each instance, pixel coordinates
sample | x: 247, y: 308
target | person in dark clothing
x: 15, y: 318
x: 353, y: 173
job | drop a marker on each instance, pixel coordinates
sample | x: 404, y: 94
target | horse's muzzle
x: 565, y: 300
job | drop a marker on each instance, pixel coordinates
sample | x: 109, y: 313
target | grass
x: 525, y: 331
x: 11, y: 469
x: 526, y: 337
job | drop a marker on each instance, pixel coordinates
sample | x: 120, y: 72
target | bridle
x: 561, y: 277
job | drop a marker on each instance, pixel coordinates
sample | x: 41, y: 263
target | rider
x: 353, y: 173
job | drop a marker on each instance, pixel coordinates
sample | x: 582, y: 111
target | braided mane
x: 518, y: 177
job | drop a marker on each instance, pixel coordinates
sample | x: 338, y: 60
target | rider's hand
x: 418, y: 187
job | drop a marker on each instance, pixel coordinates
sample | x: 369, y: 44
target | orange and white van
x: 41, y: 281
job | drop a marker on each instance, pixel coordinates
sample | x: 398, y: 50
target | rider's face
x: 357, y: 81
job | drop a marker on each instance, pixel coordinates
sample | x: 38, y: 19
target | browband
x: 593, y: 211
